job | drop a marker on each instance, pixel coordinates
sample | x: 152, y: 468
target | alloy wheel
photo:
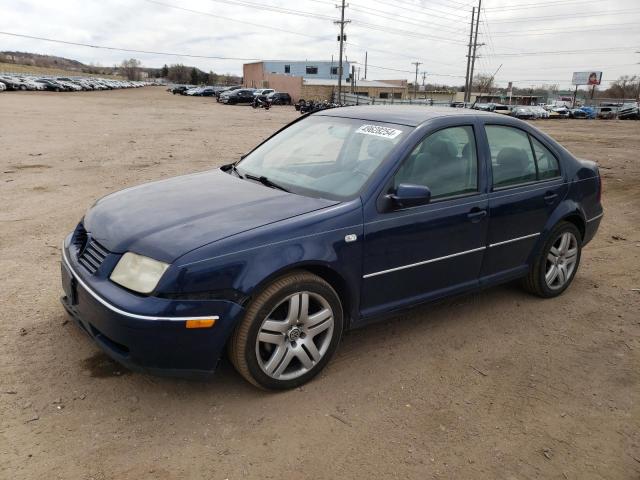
x: 561, y: 261
x: 295, y: 336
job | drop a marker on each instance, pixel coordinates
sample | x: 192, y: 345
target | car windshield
x: 323, y: 156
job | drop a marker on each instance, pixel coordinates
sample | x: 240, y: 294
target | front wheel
x: 289, y: 332
x: 555, y: 267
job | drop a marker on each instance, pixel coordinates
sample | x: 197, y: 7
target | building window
x: 312, y: 70
x: 334, y: 70
x: 287, y: 69
x: 384, y: 94
x: 397, y: 95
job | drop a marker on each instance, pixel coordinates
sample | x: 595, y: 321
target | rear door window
x: 512, y: 160
x: 547, y: 162
x: 517, y: 157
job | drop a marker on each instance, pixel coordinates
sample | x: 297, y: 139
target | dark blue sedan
x: 338, y: 219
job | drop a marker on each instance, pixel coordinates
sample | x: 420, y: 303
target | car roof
x: 410, y: 115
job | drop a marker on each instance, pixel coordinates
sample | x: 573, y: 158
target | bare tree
x: 482, y: 83
x: 178, y: 73
x: 626, y: 86
x: 131, y: 68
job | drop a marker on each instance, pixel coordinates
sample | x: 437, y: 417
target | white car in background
x: 263, y: 91
x: 539, y: 111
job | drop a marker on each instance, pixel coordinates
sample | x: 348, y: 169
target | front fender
x: 242, y: 264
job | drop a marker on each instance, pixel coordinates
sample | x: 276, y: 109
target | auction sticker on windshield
x: 379, y: 131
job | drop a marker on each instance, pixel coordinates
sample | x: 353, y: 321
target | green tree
x: 164, y: 71
x: 195, y: 78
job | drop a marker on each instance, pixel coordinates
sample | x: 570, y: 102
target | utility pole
x: 353, y: 77
x: 366, y: 55
x: 424, y: 90
x: 475, y: 46
x: 415, y: 84
x: 341, y: 38
x: 466, y: 81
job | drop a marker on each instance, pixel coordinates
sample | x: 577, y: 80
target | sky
x: 529, y: 42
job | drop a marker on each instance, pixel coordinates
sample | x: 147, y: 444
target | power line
x: 404, y: 33
x: 434, y: 74
x: 527, y: 6
x: 496, y: 32
x: 572, y: 15
x: 564, y: 52
x: 274, y: 8
x: 529, y: 33
x: 130, y: 50
x: 423, y: 10
x: 394, y: 17
x: 215, y: 15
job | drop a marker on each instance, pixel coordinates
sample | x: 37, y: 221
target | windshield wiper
x: 265, y: 181
x: 233, y: 168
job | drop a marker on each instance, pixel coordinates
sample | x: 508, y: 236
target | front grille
x: 92, y: 256
x: 80, y: 237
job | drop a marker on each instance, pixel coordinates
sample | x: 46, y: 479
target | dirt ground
x: 495, y: 385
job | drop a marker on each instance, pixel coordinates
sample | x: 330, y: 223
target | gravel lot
x: 496, y: 385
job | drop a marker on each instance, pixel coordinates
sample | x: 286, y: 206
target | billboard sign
x: 586, y: 78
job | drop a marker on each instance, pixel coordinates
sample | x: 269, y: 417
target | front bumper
x: 147, y: 334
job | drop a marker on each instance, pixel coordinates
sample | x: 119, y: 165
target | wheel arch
x: 578, y: 221
x: 567, y: 211
x: 324, y: 271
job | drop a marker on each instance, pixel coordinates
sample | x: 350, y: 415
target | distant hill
x: 37, y: 60
x: 35, y: 63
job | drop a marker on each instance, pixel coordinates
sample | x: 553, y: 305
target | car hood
x: 166, y: 219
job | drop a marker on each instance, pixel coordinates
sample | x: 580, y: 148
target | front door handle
x: 475, y: 215
x: 550, y: 197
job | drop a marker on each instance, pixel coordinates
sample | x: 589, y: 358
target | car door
x: 526, y: 186
x: 419, y: 253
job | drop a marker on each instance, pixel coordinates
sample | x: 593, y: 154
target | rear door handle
x: 476, y: 215
x: 550, y: 197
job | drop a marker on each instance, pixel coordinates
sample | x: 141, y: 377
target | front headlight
x: 138, y: 273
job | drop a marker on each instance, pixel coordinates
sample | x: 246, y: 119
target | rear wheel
x: 289, y: 332
x: 557, y: 264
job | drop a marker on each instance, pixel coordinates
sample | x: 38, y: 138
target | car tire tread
x: 238, y: 344
x: 534, y: 282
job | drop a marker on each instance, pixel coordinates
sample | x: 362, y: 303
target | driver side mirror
x: 410, y: 195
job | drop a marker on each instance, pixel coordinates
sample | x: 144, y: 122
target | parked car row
x: 64, y: 84
x: 552, y: 111
x: 234, y: 95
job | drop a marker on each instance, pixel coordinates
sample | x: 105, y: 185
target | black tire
x: 536, y: 282
x: 243, y: 345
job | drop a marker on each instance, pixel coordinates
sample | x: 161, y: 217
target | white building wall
x: 304, y: 68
